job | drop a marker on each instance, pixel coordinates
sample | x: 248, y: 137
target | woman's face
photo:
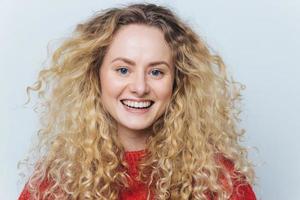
x: 137, y: 77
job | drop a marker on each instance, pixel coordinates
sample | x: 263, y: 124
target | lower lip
x: 135, y: 110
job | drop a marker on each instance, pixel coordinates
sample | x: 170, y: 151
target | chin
x: 138, y: 127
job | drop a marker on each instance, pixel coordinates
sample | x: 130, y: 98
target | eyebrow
x: 131, y: 62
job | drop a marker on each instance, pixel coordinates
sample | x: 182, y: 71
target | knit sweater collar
x: 132, y: 157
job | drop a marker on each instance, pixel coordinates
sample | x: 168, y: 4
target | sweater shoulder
x: 241, y: 189
x: 26, y: 195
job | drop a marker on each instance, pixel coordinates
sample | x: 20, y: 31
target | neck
x: 133, y: 140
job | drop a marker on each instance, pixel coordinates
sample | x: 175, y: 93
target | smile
x: 137, y: 105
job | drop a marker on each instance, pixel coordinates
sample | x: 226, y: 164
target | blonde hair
x: 82, y: 156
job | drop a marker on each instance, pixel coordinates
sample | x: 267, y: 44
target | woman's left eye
x: 156, y: 72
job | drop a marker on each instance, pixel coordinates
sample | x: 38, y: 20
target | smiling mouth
x: 137, y: 105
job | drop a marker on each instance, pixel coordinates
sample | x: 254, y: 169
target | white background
x: 258, y: 39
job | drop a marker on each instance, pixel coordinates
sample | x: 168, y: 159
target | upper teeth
x: 137, y: 104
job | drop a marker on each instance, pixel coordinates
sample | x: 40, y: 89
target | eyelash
x: 121, y: 68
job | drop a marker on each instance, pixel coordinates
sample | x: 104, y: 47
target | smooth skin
x: 137, y: 67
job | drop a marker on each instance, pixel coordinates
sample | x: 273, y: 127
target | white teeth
x: 137, y: 104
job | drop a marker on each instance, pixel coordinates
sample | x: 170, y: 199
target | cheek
x: 164, y: 91
x: 110, y: 86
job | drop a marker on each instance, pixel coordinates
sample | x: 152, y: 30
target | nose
x: 139, y: 84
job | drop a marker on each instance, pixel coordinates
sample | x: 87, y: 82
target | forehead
x: 140, y: 42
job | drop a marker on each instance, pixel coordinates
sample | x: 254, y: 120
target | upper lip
x: 137, y: 100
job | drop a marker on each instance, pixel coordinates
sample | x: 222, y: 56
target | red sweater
x: 138, y: 191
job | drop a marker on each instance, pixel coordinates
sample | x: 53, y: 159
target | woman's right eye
x: 122, y: 70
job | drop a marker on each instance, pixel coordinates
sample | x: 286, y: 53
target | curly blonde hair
x: 79, y: 150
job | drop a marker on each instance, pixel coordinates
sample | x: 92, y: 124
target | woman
x: 136, y: 107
